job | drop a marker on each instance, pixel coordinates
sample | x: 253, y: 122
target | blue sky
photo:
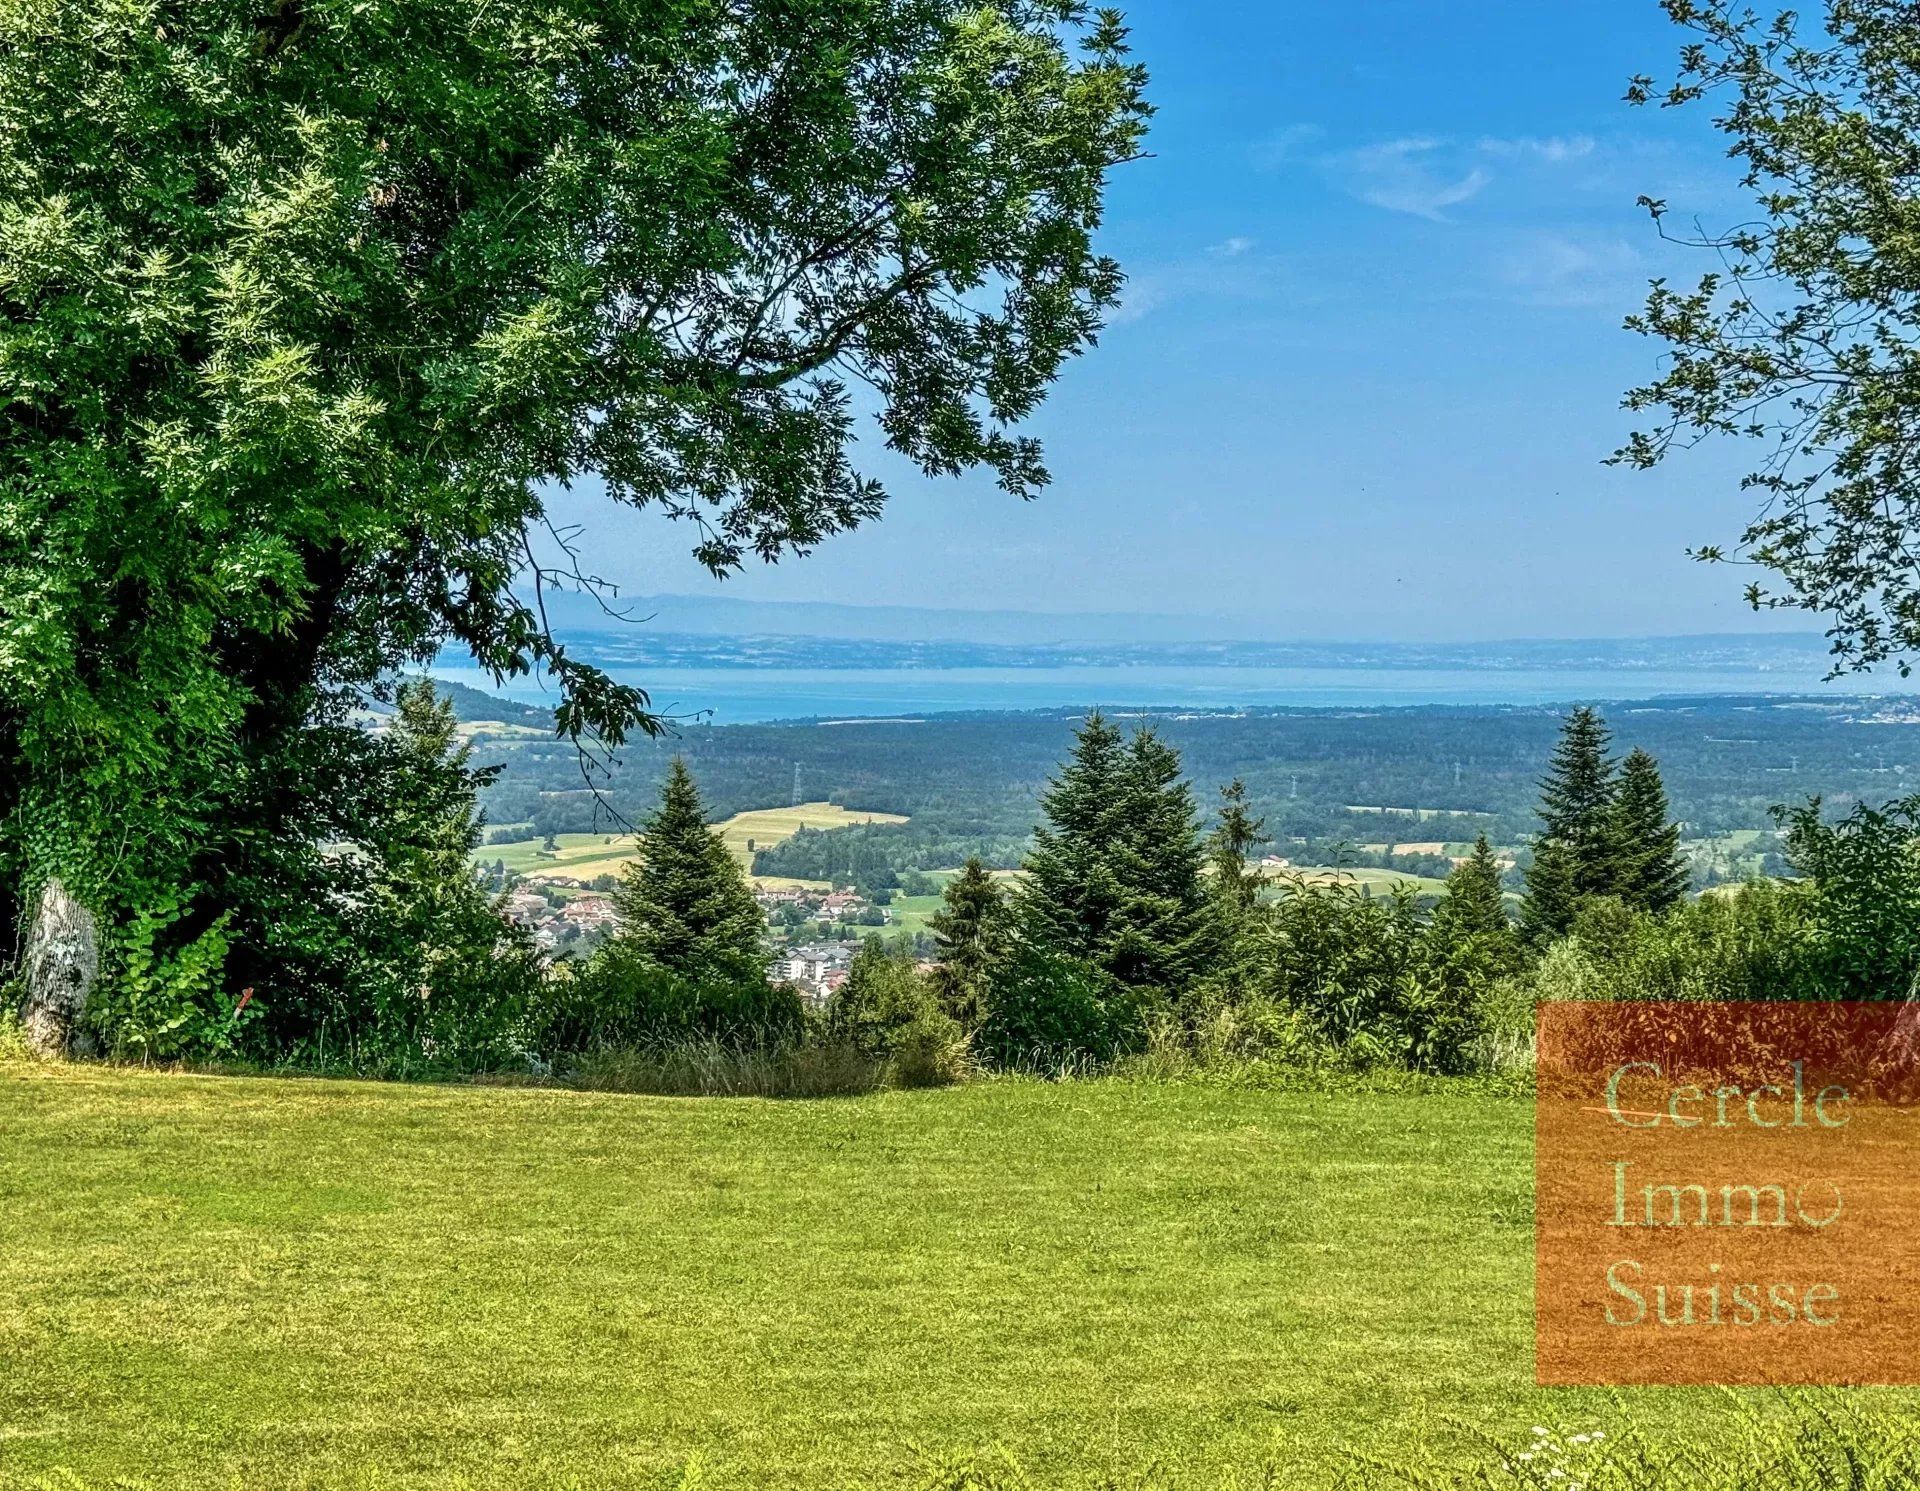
x: 1371, y: 357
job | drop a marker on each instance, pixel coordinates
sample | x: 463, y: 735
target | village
x: 813, y: 934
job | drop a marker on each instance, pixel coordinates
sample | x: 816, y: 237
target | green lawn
x: 208, y: 1281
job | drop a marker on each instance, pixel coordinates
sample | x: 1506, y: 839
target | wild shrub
x: 889, y: 1011
x: 1050, y: 1013
x: 621, y: 998
x: 1755, y: 942
x: 1365, y: 971
x: 931, y: 1050
x: 1865, y: 873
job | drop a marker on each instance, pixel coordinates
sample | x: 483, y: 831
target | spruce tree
x: 1547, y: 910
x: 463, y: 968
x: 969, y: 930
x: 1473, y: 905
x: 1574, y: 856
x: 684, y: 903
x: 1648, y: 869
x: 1163, y: 934
x: 1113, y: 878
x: 1231, y: 844
x: 1233, y: 889
x: 1576, y: 799
x: 1068, y: 896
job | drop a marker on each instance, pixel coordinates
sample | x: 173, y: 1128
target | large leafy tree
x: 1805, y: 336
x: 303, y: 304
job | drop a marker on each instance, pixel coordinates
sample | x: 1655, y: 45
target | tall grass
x: 709, y: 1067
x: 1800, y: 1440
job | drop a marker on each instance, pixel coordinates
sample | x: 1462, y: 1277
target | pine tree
x: 1163, y: 933
x: 684, y: 903
x: 1548, y: 908
x: 969, y: 930
x: 1574, y: 856
x: 464, y: 967
x: 1473, y: 905
x: 1113, y: 878
x: 1231, y: 844
x: 1233, y: 889
x: 1576, y: 799
x: 1068, y: 896
x: 1648, y: 869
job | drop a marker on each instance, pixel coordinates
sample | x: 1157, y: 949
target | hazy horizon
x: 669, y: 612
x: 1370, y: 360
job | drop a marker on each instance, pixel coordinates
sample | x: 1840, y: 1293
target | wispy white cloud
x: 1574, y: 269
x: 1414, y: 175
x: 1423, y: 175
x: 1552, y: 149
x: 1231, y: 268
x: 1285, y: 146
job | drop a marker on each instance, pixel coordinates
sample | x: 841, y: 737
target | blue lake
x: 733, y: 696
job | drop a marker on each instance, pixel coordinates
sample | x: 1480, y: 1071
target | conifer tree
x: 970, y: 932
x: 455, y: 969
x: 1574, y: 857
x: 1648, y: 869
x: 1164, y: 935
x: 1114, y: 875
x: 1231, y: 844
x: 1473, y: 905
x: 1233, y: 888
x: 1068, y: 897
x: 1551, y: 900
x: 684, y: 903
x: 1576, y: 799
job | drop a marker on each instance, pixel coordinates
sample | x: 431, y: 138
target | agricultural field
x: 1375, y: 881
x: 284, y: 1282
x: 1733, y: 856
x: 587, y: 855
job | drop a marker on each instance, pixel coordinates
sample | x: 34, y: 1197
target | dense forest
x: 1321, y: 778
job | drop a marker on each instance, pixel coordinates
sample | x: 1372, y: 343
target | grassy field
x: 1378, y: 881
x: 277, y: 1283
x: 585, y: 856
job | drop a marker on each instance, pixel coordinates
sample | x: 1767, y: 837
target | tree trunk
x: 62, y: 960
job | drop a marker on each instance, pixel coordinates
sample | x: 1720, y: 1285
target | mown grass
x: 285, y: 1282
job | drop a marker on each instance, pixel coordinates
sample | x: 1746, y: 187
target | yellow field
x: 1379, y: 881
x: 766, y: 827
x: 587, y: 856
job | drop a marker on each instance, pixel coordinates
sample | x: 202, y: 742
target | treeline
x: 975, y: 782
x: 874, y: 857
x: 1134, y: 927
